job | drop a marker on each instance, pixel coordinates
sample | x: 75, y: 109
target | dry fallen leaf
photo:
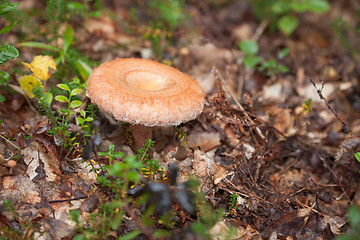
x: 205, y: 140
x: 27, y: 83
x: 42, y: 67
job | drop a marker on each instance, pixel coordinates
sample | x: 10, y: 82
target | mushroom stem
x: 140, y: 134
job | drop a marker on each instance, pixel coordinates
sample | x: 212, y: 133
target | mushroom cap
x: 140, y: 91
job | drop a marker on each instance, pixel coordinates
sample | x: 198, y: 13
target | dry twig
x: 319, y: 91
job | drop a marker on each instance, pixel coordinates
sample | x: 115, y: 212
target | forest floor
x: 275, y: 150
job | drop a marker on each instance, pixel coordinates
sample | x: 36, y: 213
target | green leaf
x: 8, y: 27
x: 75, y: 104
x: 111, y: 148
x: 8, y: 52
x: 130, y: 235
x: 102, y: 154
x: 299, y: 6
x: 115, y: 222
x: 132, y: 162
x: 39, y: 45
x: 357, y: 156
x: 354, y: 216
x: 74, y: 215
x: 80, y: 121
x: 47, y: 98
x: 82, y: 113
x: 76, y: 91
x: 318, y: 6
x: 95, y: 14
x: 118, y: 154
x: 4, y: 77
x: 269, y: 63
x: 76, y: 80
x: 282, y: 69
x: 249, y: 47
x: 2, y: 99
x: 89, y: 119
x: 63, y: 87
x: 75, y: 6
x: 133, y: 176
x: 288, y: 24
x: 280, y: 7
x: 61, y: 98
x: 83, y: 69
x: 7, y: 7
x: 251, y: 61
x: 68, y: 40
x: 283, y: 53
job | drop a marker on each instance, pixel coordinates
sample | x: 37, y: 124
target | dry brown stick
x: 261, y: 28
x: 319, y: 91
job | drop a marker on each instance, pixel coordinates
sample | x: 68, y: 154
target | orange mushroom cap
x: 140, y: 91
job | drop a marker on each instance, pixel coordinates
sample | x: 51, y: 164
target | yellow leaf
x: 27, y: 83
x: 42, y: 67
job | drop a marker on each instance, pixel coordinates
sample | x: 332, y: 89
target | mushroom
x: 145, y: 93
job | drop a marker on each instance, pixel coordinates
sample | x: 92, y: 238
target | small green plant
x: 282, y: 14
x: 111, y: 154
x: 60, y: 123
x: 65, y: 113
x: 85, y: 122
x: 232, y: 203
x: 307, y: 105
x: 7, y: 52
x: 110, y: 215
x: 151, y: 168
x: 354, y: 222
x: 250, y: 48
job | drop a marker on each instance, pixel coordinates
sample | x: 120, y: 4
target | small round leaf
x: 61, y: 98
x: 63, y: 87
x: 288, y: 24
x: 75, y: 104
x: 249, y: 47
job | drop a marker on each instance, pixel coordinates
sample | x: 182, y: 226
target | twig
x: 319, y: 91
x: 238, y: 104
x: 18, y: 148
x: 67, y: 200
x: 259, y: 31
